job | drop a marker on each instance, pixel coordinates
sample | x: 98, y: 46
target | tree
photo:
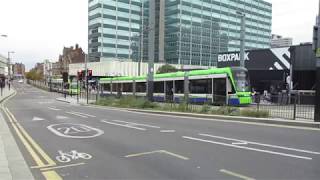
x: 167, y: 68
x: 33, y: 75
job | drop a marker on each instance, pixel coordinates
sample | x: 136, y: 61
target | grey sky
x: 38, y: 29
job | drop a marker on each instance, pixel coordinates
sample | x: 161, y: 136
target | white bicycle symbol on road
x: 72, y: 155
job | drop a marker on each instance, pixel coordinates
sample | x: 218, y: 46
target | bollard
x: 294, y: 108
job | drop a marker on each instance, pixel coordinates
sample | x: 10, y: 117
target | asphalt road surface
x: 65, y: 141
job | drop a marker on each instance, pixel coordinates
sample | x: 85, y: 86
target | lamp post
x: 151, y: 49
x: 9, y: 64
x: 242, y: 37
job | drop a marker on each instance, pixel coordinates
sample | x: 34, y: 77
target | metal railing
x: 286, y: 106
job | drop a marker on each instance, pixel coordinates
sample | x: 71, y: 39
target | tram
x: 228, y: 85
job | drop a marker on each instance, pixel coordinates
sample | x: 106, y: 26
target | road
x: 66, y: 141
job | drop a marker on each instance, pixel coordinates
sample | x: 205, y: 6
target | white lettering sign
x: 232, y: 57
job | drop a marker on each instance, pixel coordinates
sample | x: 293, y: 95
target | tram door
x: 219, y: 91
x: 169, y: 91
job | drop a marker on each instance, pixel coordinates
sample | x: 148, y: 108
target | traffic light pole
x: 86, y: 75
x: 78, y: 91
x: 316, y: 45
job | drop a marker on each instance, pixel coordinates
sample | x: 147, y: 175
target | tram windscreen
x: 242, y: 82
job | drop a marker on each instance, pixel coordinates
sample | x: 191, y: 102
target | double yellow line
x: 41, y: 158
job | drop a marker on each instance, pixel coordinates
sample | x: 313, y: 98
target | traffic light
x: 89, y: 73
x: 65, y: 76
x: 80, y: 75
x: 315, y: 38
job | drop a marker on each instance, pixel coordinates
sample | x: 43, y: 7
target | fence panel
x: 286, y: 106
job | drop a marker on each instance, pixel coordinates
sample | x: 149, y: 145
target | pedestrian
x: 9, y: 85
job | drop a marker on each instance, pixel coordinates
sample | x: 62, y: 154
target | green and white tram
x: 215, y: 86
x: 57, y: 85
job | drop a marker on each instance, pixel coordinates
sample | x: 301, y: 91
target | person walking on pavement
x: 9, y: 84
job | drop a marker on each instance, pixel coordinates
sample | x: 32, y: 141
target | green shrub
x: 254, y: 113
x: 226, y: 110
x: 183, y: 107
x: 126, y: 102
x: 205, y: 109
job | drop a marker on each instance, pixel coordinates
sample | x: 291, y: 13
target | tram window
x: 127, y: 87
x: 179, y: 87
x: 141, y: 87
x: 200, y: 86
x: 106, y: 87
x: 114, y: 87
x: 159, y: 87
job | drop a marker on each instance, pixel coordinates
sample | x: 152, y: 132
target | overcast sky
x: 38, y: 29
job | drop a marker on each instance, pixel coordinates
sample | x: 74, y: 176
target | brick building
x: 56, y: 69
x: 39, y: 67
x: 70, y: 56
x: 18, y: 69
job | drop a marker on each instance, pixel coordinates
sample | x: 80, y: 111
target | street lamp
x: 242, y: 37
x: 9, y: 63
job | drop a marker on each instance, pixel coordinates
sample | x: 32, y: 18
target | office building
x: 186, y: 31
x: 279, y: 41
x: 3, y: 66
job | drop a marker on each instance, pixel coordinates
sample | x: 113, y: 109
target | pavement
x: 12, y: 164
x: 68, y: 141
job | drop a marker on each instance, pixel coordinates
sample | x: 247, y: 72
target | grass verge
x: 142, y: 103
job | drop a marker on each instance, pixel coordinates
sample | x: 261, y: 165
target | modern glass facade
x: 114, y: 28
x: 193, y: 32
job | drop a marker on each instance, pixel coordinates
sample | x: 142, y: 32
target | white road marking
x: 141, y: 154
x: 62, y: 117
x: 89, y: 115
x: 261, y: 144
x: 77, y: 114
x: 175, y: 155
x: 54, y: 109
x: 59, y: 167
x: 65, y: 157
x: 126, y: 125
x: 247, y: 148
x: 76, y: 131
x: 37, y: 119
x: 47, y: 102
x: 239, y: 143
x: 167, y: 131
x: 236, y: 174
x: 159, y: 151
x: 138, y: 124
